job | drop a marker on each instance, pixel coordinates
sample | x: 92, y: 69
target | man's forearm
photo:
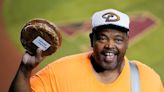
x: 21, y: 82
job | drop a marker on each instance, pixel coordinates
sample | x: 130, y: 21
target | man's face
x: 109, y: 48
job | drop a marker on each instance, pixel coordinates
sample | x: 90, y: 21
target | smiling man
x: 109, y: 47
x: 104, y: 69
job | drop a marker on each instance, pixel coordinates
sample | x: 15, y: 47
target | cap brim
x: 110, y: 26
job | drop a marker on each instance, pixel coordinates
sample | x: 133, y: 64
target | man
x: 105, y: 69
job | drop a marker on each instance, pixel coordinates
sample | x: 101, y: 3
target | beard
x: 103, y: 62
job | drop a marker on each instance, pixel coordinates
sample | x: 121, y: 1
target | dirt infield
x: 9, y: 57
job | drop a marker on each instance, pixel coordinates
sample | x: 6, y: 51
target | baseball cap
x: 110, y: 17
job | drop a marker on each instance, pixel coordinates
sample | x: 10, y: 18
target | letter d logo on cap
x: 110, y: 17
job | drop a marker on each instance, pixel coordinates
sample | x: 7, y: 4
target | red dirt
x: 9, y: 57
x: 139, y: 24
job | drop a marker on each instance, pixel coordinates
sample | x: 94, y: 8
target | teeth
x: 109, y: 54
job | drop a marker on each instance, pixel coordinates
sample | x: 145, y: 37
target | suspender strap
x: 135, y: 81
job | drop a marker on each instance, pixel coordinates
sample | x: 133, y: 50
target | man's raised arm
x: 21, y: 82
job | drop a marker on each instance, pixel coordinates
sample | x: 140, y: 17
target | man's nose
x: 110, y: 44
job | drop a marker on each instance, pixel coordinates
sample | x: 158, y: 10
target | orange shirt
x: 74, y: 74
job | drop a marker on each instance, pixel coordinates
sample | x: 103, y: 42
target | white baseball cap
x: 110, y: 16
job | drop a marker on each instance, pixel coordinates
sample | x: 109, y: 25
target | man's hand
x: 29, y: 62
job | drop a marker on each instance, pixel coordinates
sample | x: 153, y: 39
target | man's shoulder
x: 146, y: 71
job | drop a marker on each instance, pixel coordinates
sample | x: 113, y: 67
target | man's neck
x: 106, y: 76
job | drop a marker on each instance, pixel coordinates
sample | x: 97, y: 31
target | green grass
x: 148, y: 50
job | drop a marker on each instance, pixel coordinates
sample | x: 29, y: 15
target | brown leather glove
x: 40, y: 33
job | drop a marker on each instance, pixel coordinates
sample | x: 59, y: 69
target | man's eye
x: 102, y: 39
x: 119, y: 40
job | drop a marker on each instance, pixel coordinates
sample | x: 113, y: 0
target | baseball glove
x: 40, y: 33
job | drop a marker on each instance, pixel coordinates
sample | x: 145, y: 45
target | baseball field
x: 73, y: 17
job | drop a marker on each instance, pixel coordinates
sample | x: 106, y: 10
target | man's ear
x: 127, y: 41
x: 91, y: 39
